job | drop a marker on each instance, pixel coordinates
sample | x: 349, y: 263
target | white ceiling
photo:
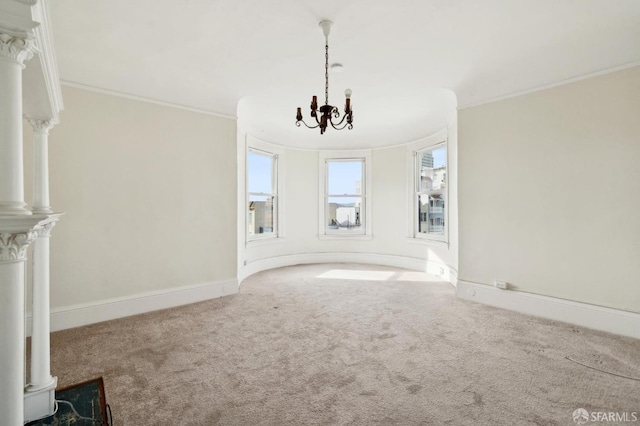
x: 410, y: 63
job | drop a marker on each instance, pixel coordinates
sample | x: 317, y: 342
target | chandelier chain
x: 326, y: 74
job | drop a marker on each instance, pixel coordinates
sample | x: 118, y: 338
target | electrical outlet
x: 503, y: 285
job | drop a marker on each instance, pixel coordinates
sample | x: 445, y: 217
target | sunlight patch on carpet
x: 366, y: 275
x: 343, y: 274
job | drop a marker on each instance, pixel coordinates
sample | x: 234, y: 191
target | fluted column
x: 13, y: 248
x: 14, y: 50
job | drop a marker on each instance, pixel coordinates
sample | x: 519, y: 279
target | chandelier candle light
x: 328, y: 112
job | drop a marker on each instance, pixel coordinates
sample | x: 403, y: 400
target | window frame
x: 415, y: 190
x: 260, y: 149
x: 326, y: 157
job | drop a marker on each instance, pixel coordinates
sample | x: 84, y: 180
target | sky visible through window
x: 343, y: 176
x: 259, y: 172
x: 439, y: 157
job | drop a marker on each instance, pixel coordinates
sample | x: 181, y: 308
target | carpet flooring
x: 348, y: 344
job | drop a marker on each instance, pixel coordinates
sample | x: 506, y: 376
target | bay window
x: 262, y: 196
x: 345, y: 191
x: 430, y: 196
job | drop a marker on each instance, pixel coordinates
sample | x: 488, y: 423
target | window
x: 344, y: 197
x: 345, y: 191
x: 431, y: 192
x: 262, y: 194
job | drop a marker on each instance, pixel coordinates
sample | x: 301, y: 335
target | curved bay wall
x: 391, y: 243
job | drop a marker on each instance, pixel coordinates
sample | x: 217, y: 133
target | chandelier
x: 328, y: 112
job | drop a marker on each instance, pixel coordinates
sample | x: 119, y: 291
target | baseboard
x: 432, y: 267
x: 591, y: 316
x: 105, y: 310
x: 453, y: 277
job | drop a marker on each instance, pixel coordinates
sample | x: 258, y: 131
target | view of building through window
x: 344, y: 195
x: 261, y: 193
x: 431, y: 185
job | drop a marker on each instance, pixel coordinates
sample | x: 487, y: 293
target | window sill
x: 345, y: 237
x: 263, y: 241
x: 428, y: 242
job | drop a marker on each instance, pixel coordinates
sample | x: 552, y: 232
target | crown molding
x: 143, y: 99
x: 550, y: 85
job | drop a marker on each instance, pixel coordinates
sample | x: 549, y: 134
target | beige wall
x: 549, y: 191
x: 149, y: 194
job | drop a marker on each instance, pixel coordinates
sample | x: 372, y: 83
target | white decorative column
x: 13, y: 248
x: 24, y: 31
x: 16, y: 225
x: 39, y: 397
x: 40, y: 348
x: 14, y: 50
x: 40, y: 164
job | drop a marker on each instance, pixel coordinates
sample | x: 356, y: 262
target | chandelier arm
x: 344, y: 117
x: 310, y: 127
x: 335, y: 126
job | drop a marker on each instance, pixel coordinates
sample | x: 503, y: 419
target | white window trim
x: 345, y: 155
x: 438, y: 139
x: 261, y: 147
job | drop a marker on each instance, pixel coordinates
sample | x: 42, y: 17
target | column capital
x: 17, y: 48
x: 45, y: 230
x: 13, y: 246
x: 41, y: 125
